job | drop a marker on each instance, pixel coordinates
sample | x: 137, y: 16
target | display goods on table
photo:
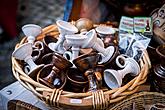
x: 75, y: 67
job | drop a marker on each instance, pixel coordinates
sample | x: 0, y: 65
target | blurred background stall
x: 12, y: 17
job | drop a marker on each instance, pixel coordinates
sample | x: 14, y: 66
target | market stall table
x: 17, y: 92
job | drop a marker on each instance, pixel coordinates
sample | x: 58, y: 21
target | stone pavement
x: 41, y: 12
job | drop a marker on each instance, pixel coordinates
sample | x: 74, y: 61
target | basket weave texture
x: 141, y: 101
x: 91, y: 100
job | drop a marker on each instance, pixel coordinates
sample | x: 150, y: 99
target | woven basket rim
x: 87, y: 99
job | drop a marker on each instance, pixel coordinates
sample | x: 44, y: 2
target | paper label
x: 76, y: 101
x: 126, y: 24
x: 143, y: 25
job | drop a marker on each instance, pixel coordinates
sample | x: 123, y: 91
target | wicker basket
x: 59, y: 98
x: 141, y: 101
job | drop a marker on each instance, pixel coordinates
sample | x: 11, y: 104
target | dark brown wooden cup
x: 53, y: 74
x: 87, y: 63
x: 47, y: 77
x: 46, y: 40
x: 159, y: 69
x: 76, y: 80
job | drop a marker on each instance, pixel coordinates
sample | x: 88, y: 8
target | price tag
x: 76, y: 101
